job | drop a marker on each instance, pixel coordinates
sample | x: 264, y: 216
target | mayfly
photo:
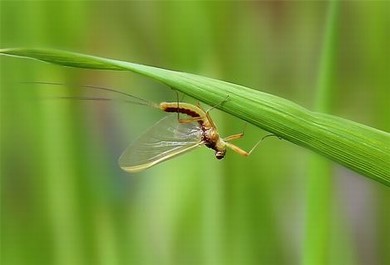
x: 172, y: 135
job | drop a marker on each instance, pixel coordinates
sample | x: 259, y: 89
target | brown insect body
x: 210, y: 135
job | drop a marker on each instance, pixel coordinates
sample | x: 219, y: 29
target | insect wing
x: 164, y: 140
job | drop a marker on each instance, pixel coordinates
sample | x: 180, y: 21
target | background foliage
x: 64, y: 199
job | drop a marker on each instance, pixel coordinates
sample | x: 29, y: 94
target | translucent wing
x: 166, y: 139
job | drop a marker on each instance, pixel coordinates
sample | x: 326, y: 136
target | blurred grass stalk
x: 317, y: 244
x: 58, y: 134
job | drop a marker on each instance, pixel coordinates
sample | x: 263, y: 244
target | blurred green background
x: 64, y: 199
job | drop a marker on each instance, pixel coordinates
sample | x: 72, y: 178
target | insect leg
x: 178, y: 104
x: 234, y: 137
x: 219, y: 104
x: 238, y: 149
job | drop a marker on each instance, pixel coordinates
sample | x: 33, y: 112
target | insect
x: 172, y: 135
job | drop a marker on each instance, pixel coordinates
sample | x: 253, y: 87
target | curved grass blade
x: 361, y: 148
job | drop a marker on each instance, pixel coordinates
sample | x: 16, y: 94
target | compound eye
x: 220, y: 154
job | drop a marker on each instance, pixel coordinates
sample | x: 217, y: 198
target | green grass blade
x: 361, y: 148
x: 319, y: 203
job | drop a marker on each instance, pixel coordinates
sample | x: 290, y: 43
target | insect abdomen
x: 184, y: 108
